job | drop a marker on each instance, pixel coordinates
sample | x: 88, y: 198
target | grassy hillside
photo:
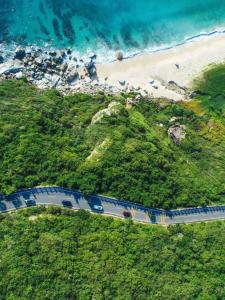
x: 59, y: 254
x: 102, y: 145
x: 212, y: 89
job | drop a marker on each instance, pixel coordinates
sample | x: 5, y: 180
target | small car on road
x: 67, y: 203
x: 98, y: 208
x: 127, y: 214
x: 30, y: 202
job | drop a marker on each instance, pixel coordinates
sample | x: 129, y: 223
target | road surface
x: 112, y: 207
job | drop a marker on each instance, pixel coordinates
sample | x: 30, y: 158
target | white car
x: 98, y: 207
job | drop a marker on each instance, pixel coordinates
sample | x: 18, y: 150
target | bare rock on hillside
x: 112, y: 108
x: 177, y: 133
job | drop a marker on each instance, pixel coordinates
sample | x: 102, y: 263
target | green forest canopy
x: 98, y: 144
x: 59, y: 254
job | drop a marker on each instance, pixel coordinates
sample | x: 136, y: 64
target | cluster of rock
x: 134, y: 100
x: 59, y: 69
x: 182, y: 90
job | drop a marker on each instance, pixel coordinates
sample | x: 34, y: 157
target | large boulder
x: 19, y: 75
x: 122, y: 82
x: 83, y: 73
x: 90, y: 67
x: 11, y: 68
x: 39, y: 61
x: 175, y: 87
x: 72, y: 76
x: 20, y: 54
x: 52, y: 53
x: 64, y: 67
x: 194, y: 94
x: 55, y: 80
x: 177, y: 133
x: 119, y: 55
x: 58, y: 59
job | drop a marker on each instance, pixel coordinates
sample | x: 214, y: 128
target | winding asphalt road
x: 112, y: 207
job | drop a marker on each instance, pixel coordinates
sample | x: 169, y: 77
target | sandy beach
x: 153, y: 71
x: 166, y: 73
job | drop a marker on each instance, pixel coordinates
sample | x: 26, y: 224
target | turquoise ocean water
x: 107, y: 25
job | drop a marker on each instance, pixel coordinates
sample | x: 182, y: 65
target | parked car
x: 127, y: 214
x: 30, y: 202
x: 67, y: 203
x: 98, y: 208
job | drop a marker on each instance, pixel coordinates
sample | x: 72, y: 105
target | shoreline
x: 101, y: 51
x: 169, y: 73
x: 166, y: 72
x: 165, y: 47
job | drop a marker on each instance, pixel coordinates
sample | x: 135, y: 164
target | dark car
x: 67, y: 203
x: 30, y: 202
x: 126, y: 214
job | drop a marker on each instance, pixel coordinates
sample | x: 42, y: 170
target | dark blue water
x: 107, y: 25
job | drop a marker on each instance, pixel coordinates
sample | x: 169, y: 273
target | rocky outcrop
x: 99, y: 150
x: 175, y: 87
x: 177, y: 133
x: 49, y: 68
x: 60, y: 69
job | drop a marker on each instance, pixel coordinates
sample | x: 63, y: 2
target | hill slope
x: 58, y: 254
x: 102, y: 144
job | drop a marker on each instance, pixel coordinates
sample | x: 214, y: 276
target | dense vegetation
x: 59, y: 254
x: 69, y: 141
x: 212, y: 89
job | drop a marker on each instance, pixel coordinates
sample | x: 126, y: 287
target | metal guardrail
x: 128, y: 204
